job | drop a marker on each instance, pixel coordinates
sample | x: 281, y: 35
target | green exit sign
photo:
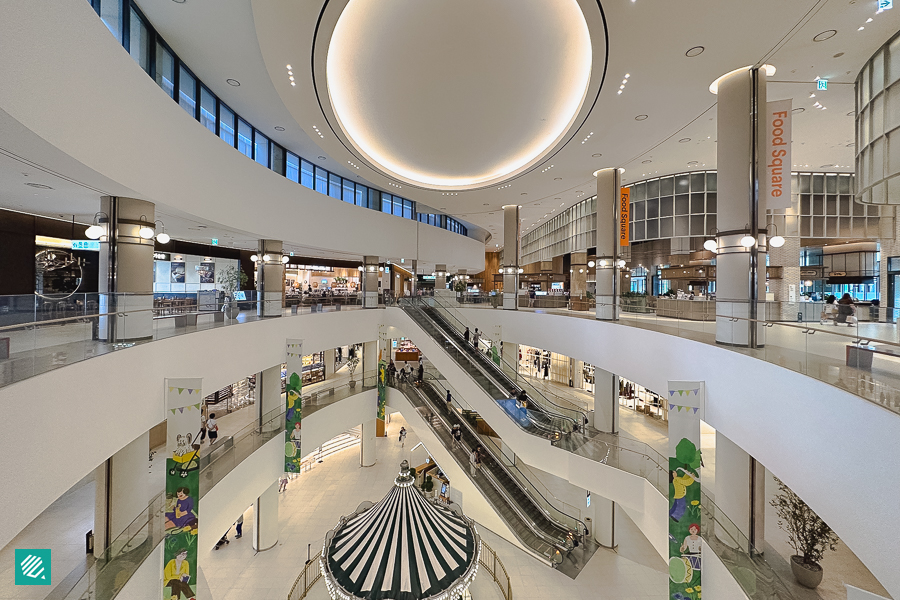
x: 822, y: 84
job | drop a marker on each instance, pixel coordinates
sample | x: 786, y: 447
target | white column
x: 370, y: 357
x: 510, y: 357
x: 122, y: 491
x: 370, y: 282
x: 270, y: 279
x: 510, y: 265
x: 367, y: 444
x: 608, y: 185
x: 734, y: 156
x: 606, y: 401
x: 126, y: 267
x: 603, y: 516
x: 265, y: 519
x: 268, y: 394
x: 329, y: 363
x: 732, y: 487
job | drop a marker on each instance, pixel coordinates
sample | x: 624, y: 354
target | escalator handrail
x: 499, y: 488
x: 512, y: 382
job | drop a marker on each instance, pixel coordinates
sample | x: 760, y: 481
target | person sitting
x: 845, y: 311
x: 829, y: 311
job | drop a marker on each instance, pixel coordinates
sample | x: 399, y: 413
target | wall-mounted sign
x: 215, y: 241
x: 161, y: 256
x: 884, y: 5
x: 589, y: 499
x: 778, y: 155
x: 837, y: 274
x: 624, y: 207
x: 86, y: 245
x: 821, y: 84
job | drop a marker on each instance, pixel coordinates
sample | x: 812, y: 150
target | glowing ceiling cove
x: 457, y: 94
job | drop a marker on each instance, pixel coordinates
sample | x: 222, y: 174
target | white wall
x: 171, y: 159
x: 836, y: 450
x: 103, y: 403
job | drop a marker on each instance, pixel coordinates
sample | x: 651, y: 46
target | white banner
x: 775, y: 186
x: 184, y: 399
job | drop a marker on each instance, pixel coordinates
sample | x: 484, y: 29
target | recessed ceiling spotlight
x: 289, y: 67
x: 587, y: 137
x: 557, y: 179
x: 352, y: 164
x: 503, y: 187
x: 695, y: 51
x: 641, y: 118
x: 825, y: 35
x: 485, y: 204
x: 694, y: 162
x: 294, y: 83
x: 812, y: 94
x: 644, y: 162
x: 321, y: 158
x: 547, y: 169
x: 233, y: 82
x: 396, y: 185
x: 524, y: 194
x: 825, y: 166
x: 861, y: 28
x: 684, y: 140
x: 279, y: 128
x: 596, y: 155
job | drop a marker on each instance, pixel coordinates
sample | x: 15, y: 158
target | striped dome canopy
x: 402, y: 548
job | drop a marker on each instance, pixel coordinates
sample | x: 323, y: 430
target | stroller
x: 223, y: 541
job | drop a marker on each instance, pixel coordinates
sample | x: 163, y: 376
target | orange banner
x: 624, y: 205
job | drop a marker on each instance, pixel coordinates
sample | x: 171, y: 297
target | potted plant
x: 428, y: 486
x: 231, y: 280
x: 351, y: 366
x: 808, y: 535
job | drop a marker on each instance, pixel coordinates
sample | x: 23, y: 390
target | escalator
x: 544, y: 533
x: 539, y: 418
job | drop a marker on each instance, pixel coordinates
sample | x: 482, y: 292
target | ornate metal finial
x: 405, y: 478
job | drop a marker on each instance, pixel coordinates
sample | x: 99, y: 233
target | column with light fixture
x: 608, y: 262
x: 578, y: 275
x: 784, y: 253
x: 741, y: 242
x: 270, y: 263
x: 510, y: 265
x: 370, y: 281
x: 126, y: 228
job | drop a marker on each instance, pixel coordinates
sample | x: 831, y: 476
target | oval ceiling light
x: 94, y: 232
x: 646, y: 162
x: 747, y: 241
x: 714, y: 86
x: 711, y: 245
x: 695, y: 51
x: 641, y: 118
x: 684, y: 140
x: 279, y: 128
x: 486, y: 132
x: 825, y: 35
x: 163, y: 238
x: 233, y: 82
x: 776, y: 241
x: 596, y: 155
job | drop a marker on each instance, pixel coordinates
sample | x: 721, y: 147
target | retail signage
x: 624, y: 206
x: 382, y: 393
x: 884, y: 5
x: 162, y: 256
x: 184, y: 401
x: 588, y: 499
x: 86, y: 245
x: 685, y: 402
x: 777, y: 183
x: 293, y: 388
x: 821, y: 84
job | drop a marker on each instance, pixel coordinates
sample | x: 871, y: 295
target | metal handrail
x: 492, y: 569
x: 307, y: 578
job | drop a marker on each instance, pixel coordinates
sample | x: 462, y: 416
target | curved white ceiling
x: 459, y: 94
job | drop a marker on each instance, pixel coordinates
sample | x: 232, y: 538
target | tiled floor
x: 314, y: 502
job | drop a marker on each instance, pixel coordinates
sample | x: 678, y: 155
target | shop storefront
x: 317, y: 279
x: 639, y: 399
x: 405, y: 351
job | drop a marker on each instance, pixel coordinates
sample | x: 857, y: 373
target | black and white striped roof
x: 402, y: 548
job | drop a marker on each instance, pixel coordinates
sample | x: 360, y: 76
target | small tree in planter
x: 351, y: 366
x: 427, y: 485
x: 231, y: 280
x: 808, y: 535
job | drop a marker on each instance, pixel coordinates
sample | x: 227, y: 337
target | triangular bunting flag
x: 171, y: 389
x: 181, y: 410
x: 696, y: 408
x: 180, y: 390
x: 671, y: 406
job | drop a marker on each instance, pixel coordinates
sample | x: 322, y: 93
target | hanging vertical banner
x: 382, y: 391
x: 293, y: 389
x: 624, y: 211
x: 776, y: 185
x: 184, y: 400
x: 685, y: 401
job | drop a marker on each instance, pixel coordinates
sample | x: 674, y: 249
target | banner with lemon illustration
x: 685, y: 401
x: 293, y: 388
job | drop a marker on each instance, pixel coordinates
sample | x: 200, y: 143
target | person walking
x: 531, y: 295
x: 457, y: 435
x: 202, y: 428
x: 466, y: 335
x: 475, y: 338
x: 473, y: 459
x: 478, y: 458
x: 391, y: 371
x: 402, y: 437
x: 239, y: 526
x: 340, y: 354
x: 546, y: 369
x: 449, y: 399
x: 212, y: 427
x: 283, y: 484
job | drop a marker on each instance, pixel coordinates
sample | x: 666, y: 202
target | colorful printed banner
x: 382, y: 391
x: 184, y: 400
x: 293, y: 389
x: 686, y: 400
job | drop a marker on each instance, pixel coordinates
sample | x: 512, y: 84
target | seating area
x: 164, y: 306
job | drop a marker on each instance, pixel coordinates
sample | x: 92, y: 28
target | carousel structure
x: 401, y: 548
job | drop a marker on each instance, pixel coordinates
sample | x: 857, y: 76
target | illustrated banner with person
x: 293, y: 388
x: 184, y: 402
x: 686, y: 401
x: 382, y: 392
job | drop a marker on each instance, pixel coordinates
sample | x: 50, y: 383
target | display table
x: 406, y: 355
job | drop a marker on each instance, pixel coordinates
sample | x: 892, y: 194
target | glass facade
x: 158, y: 60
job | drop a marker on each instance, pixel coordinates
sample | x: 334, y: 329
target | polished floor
x: 315, y: 501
